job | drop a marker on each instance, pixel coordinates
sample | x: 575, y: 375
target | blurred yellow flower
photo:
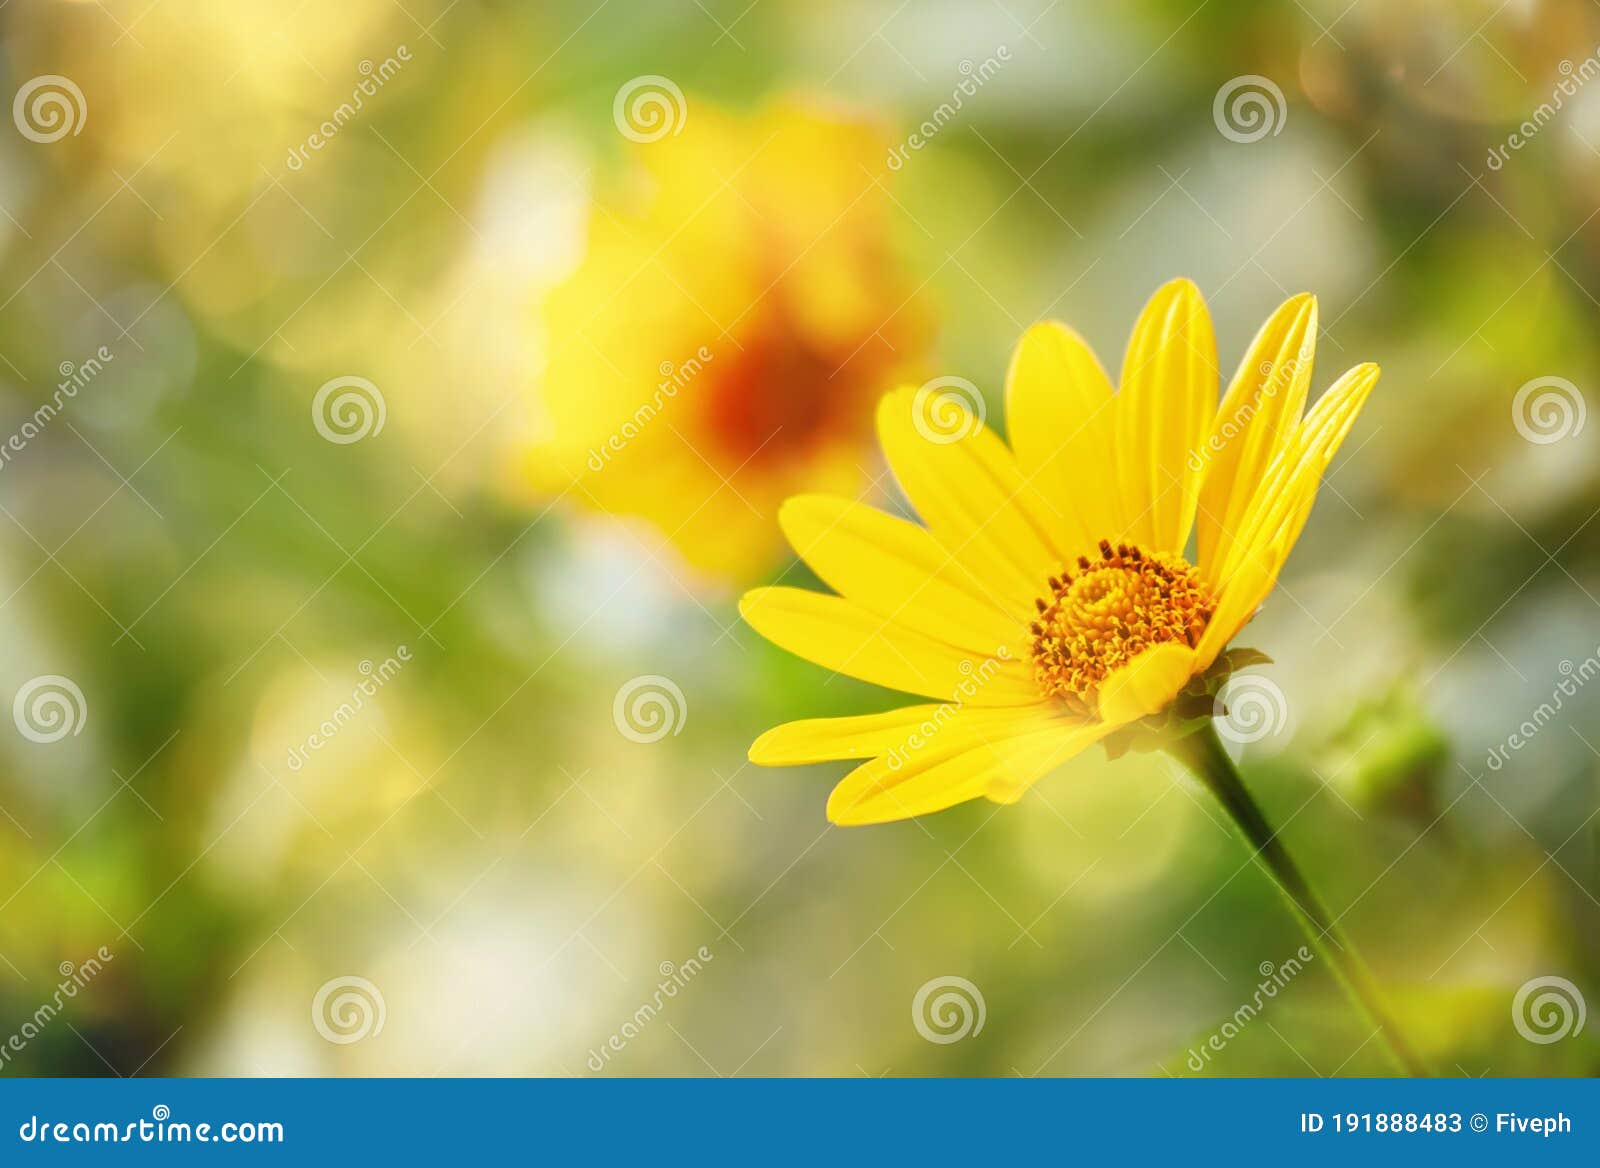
x: 724, y: 339
x: 1048, y: 601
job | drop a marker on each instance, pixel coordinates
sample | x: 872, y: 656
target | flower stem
x: 1202, y: 752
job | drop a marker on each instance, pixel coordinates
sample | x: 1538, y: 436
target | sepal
x: 1196, y: 704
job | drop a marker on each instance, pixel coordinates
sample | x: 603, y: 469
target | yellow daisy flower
x: 1050, y: 599
x: 721, y: 346
x: 1050, y: 602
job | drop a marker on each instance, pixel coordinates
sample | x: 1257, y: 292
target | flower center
x: 783, y: 395
x: 1103, y: 615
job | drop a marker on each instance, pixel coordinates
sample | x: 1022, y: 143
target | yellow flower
x: 1048, y: 601
x: 729, y: 330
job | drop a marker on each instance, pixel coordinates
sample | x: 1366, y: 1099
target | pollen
x: 1109, y: 610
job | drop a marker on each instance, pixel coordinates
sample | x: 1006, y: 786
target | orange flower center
x: 781, y: 395
x: 1110, y: 610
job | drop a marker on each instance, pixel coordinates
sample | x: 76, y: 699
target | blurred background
x: 395, y: 397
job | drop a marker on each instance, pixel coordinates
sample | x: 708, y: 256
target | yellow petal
x: 1327, y: 426
x: 1164, y: 412
x: 1146, y: 684
x: 846, y: 638
x: 1062, y: 425
x: 1010, y: 785
x: 973, y: 499
x: 895, y: 569
x: 904, y: 731
x: 1240, y: 596
x: 1284, y: 500
x: 930, y: 780
x: 823, y: 739
x: 1258, y: 419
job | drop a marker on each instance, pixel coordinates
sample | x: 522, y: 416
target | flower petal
x: 1284, y: 501
x: 896, y: 569
x: 1258, y: 419
x: 1062, y: 425
x: 1009, y: 786
x: 1146, y: 684
x: 908, y: 729
x: 934, y: 778
x: 840, y: 635
x: 1241, y: 595
x: 1164, y: 411
x: 973, y: 499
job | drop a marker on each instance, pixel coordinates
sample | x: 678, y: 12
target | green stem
x: 1203, y: 753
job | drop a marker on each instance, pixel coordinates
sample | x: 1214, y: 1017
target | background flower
x: 731, y: 327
